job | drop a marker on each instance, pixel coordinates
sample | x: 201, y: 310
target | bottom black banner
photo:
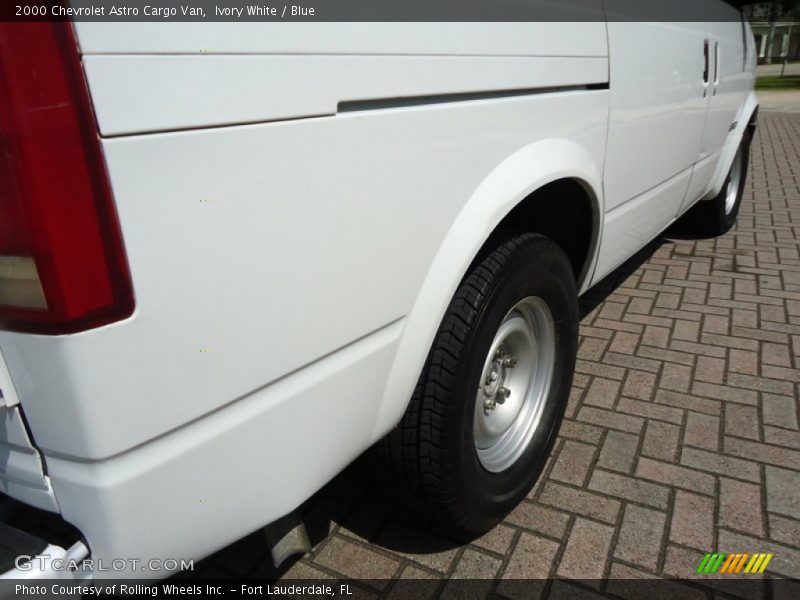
x: 413, y: 589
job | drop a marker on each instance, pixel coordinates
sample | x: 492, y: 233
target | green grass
x: 775, y: 83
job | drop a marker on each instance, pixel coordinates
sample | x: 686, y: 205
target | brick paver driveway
x: 681, y: 436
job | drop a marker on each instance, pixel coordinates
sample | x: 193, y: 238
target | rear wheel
x: 487, y: 406
x: 715, y: 217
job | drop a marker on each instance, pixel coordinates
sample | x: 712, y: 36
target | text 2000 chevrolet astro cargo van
x: 235, y: 256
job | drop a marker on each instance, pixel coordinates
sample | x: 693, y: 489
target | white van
x: 235, y: 256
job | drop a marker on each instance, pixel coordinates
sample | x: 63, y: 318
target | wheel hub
x: 494, y: 390
x: 734, y: 180
x: 514, y: 384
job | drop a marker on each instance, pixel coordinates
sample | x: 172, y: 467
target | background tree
x: 772, y: 12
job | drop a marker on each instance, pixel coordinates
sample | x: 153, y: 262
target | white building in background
x: 784, y: 25
x: 785, y: 40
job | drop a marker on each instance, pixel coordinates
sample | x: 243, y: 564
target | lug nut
x: 510, y: 363
x: 502, y: 394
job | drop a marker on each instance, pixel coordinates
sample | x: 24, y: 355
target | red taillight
x: 62, y: 262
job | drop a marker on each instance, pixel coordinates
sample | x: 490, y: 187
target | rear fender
x: 743, y: 124
x: 512, y: 181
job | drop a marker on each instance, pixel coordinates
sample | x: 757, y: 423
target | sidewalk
x: 783, y: 101
x: 775, y: 69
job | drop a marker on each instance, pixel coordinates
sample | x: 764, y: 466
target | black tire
x: 711, y: 218
x: 429, y: 460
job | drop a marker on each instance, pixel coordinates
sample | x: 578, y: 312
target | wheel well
x: 753, y: 122
x: 563, y: 211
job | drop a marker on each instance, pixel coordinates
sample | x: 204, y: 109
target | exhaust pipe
x: 286, y: 537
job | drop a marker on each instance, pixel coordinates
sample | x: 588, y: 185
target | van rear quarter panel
x: 257, y: 249
x: 275, y: 263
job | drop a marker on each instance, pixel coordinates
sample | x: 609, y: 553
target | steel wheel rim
x: 514, y: 385
x: 734, y: 180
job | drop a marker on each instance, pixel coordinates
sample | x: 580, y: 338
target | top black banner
x: 372, y: 10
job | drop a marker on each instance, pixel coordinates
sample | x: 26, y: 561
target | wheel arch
x: 744, y: 124
x: 543, y: 210
x: 518, y: 195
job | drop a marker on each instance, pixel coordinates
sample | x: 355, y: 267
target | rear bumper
x: 35, y: 544
x: 54, y: 562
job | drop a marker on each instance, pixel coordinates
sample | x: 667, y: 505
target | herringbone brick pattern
x: 681, y: 435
